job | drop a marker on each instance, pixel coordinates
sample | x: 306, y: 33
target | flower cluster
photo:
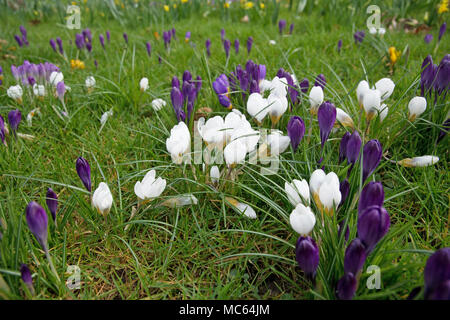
x: 183, y: 97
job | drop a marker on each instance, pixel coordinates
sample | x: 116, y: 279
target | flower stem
x: 50, y: 262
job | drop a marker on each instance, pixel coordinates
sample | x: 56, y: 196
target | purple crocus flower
x: 37, y: 223
x: 173, y: 33
x: 326, y: 116
x: 291, y: 28
x: 96, y: 64
x: 355, y: 256
x: 344, y: 188
x: 437, y: 275
x: 221, y: 86
x: 31, y: 81
x: 87, y: 34
x: 226, y: 46
x: 166, y: 38
x: 25, y: 274
x: 281, y: 25
x: 236, y: 46
x: 442, y: 82
x: 343, y: 146
x: 353, y: 147
x: 198, y: 85
x: 442, y: 30
x: 443, y: 132
x: 371, y: 195
x: 428, y: 75
x: 320, y: 81
x: 304, y: 85
x: 2, y: 130
x: 79, y: 41
x: 339, y: 45
x: 373, y: 224
x: 101, y: 38
x: 177, y: 102
x: 84, y: 172
x: 60, y: 45
x: 372, y: 153
x: 61, y: 90
x: 428, y: 38
x: 222, y: 34
x: 89, y: 46
x: 18, y: 40
x: 346, y: 287
x: 149, y: 48
x: 108, y: 35
x: 176, y: 82
x: 296, y: 131
x: 125, y: 37
x: 53, y: 44
x: 307, y: 256
x: 359, y: 36
x: 208, y: 47
x: 249, y: 44
x: 187, y: 37
x: 14, y: 118
x: 159, y: 59
x: 52, y: 202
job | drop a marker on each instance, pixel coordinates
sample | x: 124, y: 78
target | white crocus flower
x: 386, y: 87
x: 150, y: 187
x: 243, y: 208
x: 297, y: 192
x: 158, y: 104
x: 39, y: 90
x: 272, y: 42
x: 302, y: 219
x: 371, y: 103
x: 277, y: 107
x: 315, y: 181
x: 315, y: 98
x: 105, y: 117
x: 329, y: 193
x: 279, y: 87
x: 235, y: 152
x: 277, y: 142
x: 233, y: 120
x: 381, y: 31
x: 143, y: 84
x: 416, y: 107
x: 247, y: 136
x: 15, y: 92
x: 422, y: 161
x: 180, y: 201
x: 31, y: 114
x: 363, y: 87
x: 102, y: 199
x: 212, y: 131
x: 90, y: 83
x: 257, y: 106
x: 179, y: 143
x: 344, y: 118
x: 372, y: 30
x: 214, y: 174
x: 55, y: 78
x: 265, y: 85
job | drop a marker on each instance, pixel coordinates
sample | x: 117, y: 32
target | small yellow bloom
x: 174, y: 5
x: 394, y: 54
x: 443, y: 6
x: 262, y: 5
x: 74, y: 3
x: 184, y: 1
x: 166, y: 8
x: 102, y: 14
x: 77, y: 64
x: 248, y: 5
x: 156, y: 34
x: 226, y: 5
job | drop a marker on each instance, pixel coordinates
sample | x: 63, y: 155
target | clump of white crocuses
x: 102, y: 199
x: 158, y: 104
x: 371, y: 99
x: 179, y: 143
x: 325, y: 190
x: 416, y: 107
x: 143, y: 84
x: 150, y: 187
x: 39, y: 90
x: 15, y: 92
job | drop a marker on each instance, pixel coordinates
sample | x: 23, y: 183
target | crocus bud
x: 343, y: 118
x: 386, y: 87
x: 226, y: 46
x: 84, y: 172
x: 150, y: 187
x: 326, y: 116
x: 343, y: 146
x: 296, y: 131
x: 101, y: 38
x: 281, y: 25
x: 179, y: 143
x: 361, y: 89
x: 53, y: 44
x: 15, y: 92
x: 214, y: 174
x: 52, y: 202
x: 307, y: 256
x: 423, y: 161
x: 235, y: 152
x: 125, y: 37
x: 291, y: 28
x: 208, y: 47
x: 158, y: 104
x: 346, y: 287
x: 176, y: 82
x: 320, y: 81
x: 249, y: 44
x: 102, y: 199
x: 372, y: 153
x: 371, y: 195
x: 371, y: 103
x: 236, y: 46
x: 18, y: 40
x: 373, y: 224
x: 339, y: 45
x: 442, y: 30
x: 315, y: 98
x: 143, y: 84
x: 416, y: 107
x: 25, y: 274
x: 37, y: 223
x: 329, y: 194
x: 177, y: 101
x: 149, y: 48
x: 359, y: 36
x: 437, y: 275
x: 297, y: 192
x: 304, y: 85
x: 428, y: 38
x: 353, y: 147
x: 355, y: 256
x: 302, y: 219
x: 222, y: 34
x: 14, y: 118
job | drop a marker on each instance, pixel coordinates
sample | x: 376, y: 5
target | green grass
x: 209, y: 251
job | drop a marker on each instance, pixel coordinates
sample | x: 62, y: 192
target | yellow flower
x: 184, y: 1
x: 102, y: 14
x: 166, y: 8
x: 394, y: 54
x: 226, y: 5
x: 174, y: 5
x: 77, y: 64
x: 262, y: 5
x: 443, y: 6
x: 248, y: 5
x: 74, y: 3
x: 156, y: 34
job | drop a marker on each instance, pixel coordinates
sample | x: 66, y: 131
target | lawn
x: 209, y: 249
